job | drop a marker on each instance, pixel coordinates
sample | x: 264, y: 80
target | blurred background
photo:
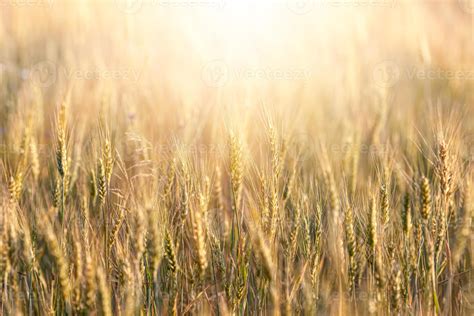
x: 176, y: 64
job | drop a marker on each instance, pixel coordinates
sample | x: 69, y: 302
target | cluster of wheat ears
x: 118, y: 232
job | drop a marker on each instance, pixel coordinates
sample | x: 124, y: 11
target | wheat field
x: 236, y: 158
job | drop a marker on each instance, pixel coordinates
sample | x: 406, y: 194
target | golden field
x: 236, y: 157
